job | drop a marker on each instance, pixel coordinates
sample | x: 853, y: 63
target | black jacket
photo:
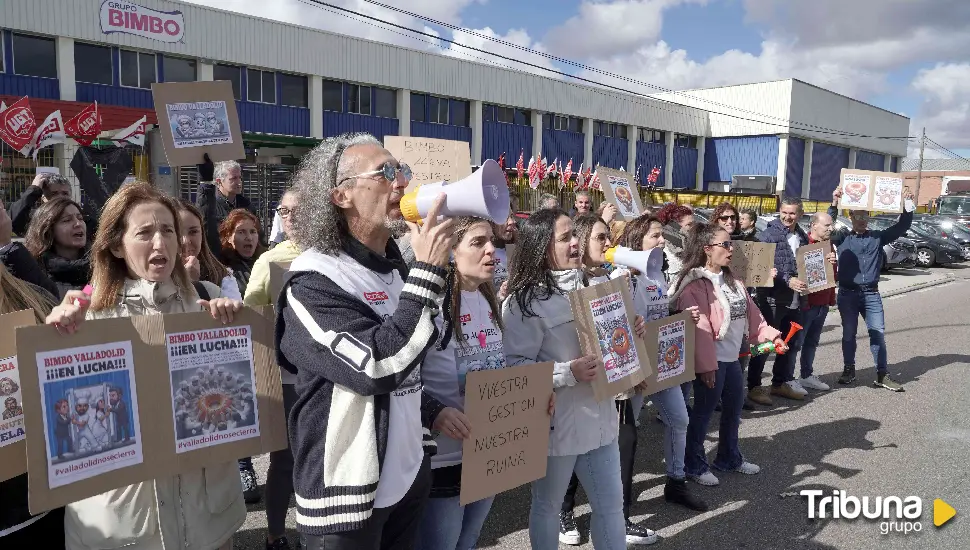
x: 785, y: 263
x: 66, y: 274
x: 241, y: 268
x: 18, y: 261
x: 22, y: 211
x: 215, y: 208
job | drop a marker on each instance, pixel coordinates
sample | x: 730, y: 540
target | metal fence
x: 263, y: 185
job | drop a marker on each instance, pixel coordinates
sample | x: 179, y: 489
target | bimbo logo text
x: 122, y: 16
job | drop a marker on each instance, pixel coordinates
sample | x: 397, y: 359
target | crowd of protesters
x: 376, y: 427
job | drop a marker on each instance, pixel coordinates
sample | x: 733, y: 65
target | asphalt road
x: 865, y: 441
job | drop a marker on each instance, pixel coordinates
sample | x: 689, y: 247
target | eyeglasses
x: 284, y: 211
x: 726, y: 245
x: 727, y: 217
x: 389, y: 172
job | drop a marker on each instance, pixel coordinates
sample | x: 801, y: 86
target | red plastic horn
x: 795, y: 327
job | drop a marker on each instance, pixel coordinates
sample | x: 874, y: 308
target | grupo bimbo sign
x: 129, y: 18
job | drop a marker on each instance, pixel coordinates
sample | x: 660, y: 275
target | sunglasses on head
x: 389, y: 172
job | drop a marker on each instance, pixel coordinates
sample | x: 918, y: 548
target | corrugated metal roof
x: 936, y: 165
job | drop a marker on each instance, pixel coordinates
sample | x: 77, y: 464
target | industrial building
x: 295, y: 85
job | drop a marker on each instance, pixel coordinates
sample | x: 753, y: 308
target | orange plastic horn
x: 795, y: 327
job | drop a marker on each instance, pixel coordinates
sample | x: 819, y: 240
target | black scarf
x: 67, y: 274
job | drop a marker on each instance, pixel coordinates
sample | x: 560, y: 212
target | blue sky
x: 907, y: 56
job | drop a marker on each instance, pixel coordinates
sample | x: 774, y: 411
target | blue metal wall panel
x: 563, y: 145
x: 610, y: 152
x: 865, y: 160
x: 648, y: 156
x: 827, y: 164
x: 511, y: 139
x: 115, y: 95
x: 335, y: 123
x: 742, y: 156
x: 894, y: 164
x: 41, y: 88
x: 685, y: 168
x: 273, y: 119
x: 794, y: 167
x: 441, y: 131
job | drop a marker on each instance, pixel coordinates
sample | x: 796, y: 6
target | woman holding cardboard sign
x: 138, y: 270
x: 728, y: 317
x: 539, y: 327
x: 18, y: 528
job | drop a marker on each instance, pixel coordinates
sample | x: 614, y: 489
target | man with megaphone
x: 354, y: 324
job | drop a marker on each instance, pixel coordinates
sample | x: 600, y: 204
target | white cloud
x: 518, y: 37
x: 945, y: 110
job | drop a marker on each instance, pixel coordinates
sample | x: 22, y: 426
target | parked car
x: 901, y: 253
x: 930, y: 249
x: 947, y: 228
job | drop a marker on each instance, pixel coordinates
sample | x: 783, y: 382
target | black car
x: 930, y: 249
x: 899, y: 253
x: 947, y: 228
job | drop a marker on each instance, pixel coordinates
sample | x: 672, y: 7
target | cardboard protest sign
x: 197, y: 118
x: 277, y: 276
x: 813, y: 269
x: 13, y: 447
x: 871, y: 191
x: 671, y: 341
x: 604, y: 316
x: 508, y: 410
x: 621, y: 192
x: 752, y: 263
x: 130, y: 399
x: 431, y: 160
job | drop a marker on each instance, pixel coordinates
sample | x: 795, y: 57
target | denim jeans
x: 729, y: 388
x: 672, y: 404
x: 779, y: 316
x: 599, y: 472
x: 813, y: 320
x: 447, y: 525
x: 867, y: 303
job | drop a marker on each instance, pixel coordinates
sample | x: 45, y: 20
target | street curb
x: 918, y: 286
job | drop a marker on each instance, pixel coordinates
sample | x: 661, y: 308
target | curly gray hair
x: 223, y: 169
x: 317, y: 222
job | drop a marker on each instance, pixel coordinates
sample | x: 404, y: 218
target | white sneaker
x: 707, y: 479
x: 814, y: 383
x: 796, y: 387
x: 748, y: 468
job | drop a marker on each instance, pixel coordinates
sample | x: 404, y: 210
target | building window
x: 92, y: 63
x: 508, y: 115
x: 438, y: 110
x: 649, y: 135
x: 260, y: 86
x: 333, y: 93
x: 620, y: 131
x: 459, y: 112
x: 178, y: 69
x: 682, y: 140
x: 358, y: 99
x: 562, y: 123
x: 419, y: 107
x: 231, y: 73
x: 385, y: 103
x: 137, y: 69
x: 34, y: 56
x: 610, y: 129
x: 3, y: 68
x: 294, y: 90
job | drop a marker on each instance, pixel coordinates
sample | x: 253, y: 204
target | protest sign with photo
x: 196, y: 118
x: 604, y: 316
x: 671, y: 341
x: 752, y: 263
x: 431, y: 160
x: 508, y: 410
x: 620, y: 191
x: 813, y: 269
x: 95, y: 395
x: 89, y: 406
x: 213, y: 387
x: 13, y: 431
x: 872, y: 191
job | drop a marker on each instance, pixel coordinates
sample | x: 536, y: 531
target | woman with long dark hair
x: 200, y: 263
x: 539, y: 327
x: 57, y: 239
x: 728, y: 318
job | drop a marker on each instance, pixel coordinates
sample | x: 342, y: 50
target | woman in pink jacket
x: 728, y: 317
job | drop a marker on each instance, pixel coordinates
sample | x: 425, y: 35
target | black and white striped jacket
x: 350, y: 352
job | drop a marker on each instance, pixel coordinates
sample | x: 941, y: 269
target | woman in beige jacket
x: 137, y: 271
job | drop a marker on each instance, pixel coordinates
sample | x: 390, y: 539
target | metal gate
x: 263, y: 185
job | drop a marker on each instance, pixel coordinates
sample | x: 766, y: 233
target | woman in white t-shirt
x: 728, y: 317
x: 471, y: 339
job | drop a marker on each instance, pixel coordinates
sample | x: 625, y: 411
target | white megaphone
x: 483, y: 194
x: 649, y: 262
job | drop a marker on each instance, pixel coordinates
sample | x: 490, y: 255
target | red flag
x: 567, y: 172
x: 520, y: 166
x: 85, y: 126
x: 654, y: 174
x: 134, y: 134
x: 50, y: 132
x: 501, y: 161
x: 17, y: 126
